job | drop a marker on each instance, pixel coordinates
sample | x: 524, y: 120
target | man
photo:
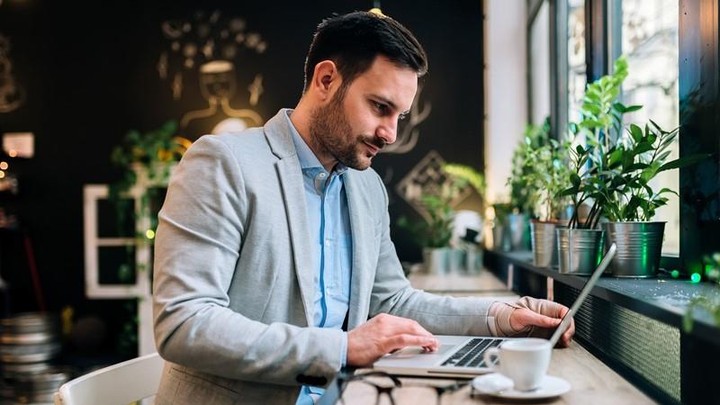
x: 274, y: 266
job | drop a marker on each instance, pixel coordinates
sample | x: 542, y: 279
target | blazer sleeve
x: 393, y: 294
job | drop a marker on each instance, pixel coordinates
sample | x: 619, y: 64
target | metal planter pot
x: 473, y: 260
x: 543, y: 241
x: 518, y: 226
x: 579, y: 250
x: 639, y: 247
x: 436, y: 260
x: 456, y: 260
x: 501, y: 237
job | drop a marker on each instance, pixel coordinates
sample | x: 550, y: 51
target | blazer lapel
x: 279, y: 137
x: 292, y: 185
x: 362, y: 278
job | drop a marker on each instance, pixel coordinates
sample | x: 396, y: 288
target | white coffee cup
x: 524, y: 360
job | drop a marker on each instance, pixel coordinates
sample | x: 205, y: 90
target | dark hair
x: 354, y: 40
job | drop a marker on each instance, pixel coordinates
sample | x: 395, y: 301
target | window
x: 539, y: 63
x: 594, y: 33
x: 576, y: 57
x: 649, y: 39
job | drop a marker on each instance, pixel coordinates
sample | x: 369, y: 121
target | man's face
x: 354, y: 127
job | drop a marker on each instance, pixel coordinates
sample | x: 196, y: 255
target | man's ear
x: 326, y: 78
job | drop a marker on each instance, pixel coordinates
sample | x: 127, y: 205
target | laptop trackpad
x: 415, y: 350
x: 411, y: 352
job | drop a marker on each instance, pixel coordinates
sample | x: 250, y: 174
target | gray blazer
x: 233, y: 287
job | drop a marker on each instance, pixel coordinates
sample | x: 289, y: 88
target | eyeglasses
x: 380, y: 388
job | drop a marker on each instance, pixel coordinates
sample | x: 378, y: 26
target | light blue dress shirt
x: 329, y: 225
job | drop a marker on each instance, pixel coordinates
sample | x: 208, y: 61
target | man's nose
x: 387, y: 131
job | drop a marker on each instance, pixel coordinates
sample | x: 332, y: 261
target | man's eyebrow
x: 391, y: 104
x: 385, y: 101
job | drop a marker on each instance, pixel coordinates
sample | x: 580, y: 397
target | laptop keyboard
x: 471, y: 355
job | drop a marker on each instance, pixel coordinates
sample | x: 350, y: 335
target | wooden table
x: 592, y: 382
x: 460, y: 284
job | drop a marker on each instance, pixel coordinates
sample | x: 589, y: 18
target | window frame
x: 699, y: 67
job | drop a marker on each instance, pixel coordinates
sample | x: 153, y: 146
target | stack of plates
x: 28, y: 343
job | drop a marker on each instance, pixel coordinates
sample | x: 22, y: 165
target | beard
x: 331, y: 133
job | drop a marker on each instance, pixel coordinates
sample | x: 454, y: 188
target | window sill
x: 662, y: 298
x: 633, y: 325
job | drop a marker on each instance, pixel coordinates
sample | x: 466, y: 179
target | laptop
x: 462, y: 356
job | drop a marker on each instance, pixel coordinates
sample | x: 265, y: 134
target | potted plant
x: 515, y: 224
x: 520, y: 198
x: 612, y: 175
x: 435, y: 231
x: 468, y: 224
x: 544, y: 185
x: 580, y: 244
x: 500, y: 236
x: 599, y: 127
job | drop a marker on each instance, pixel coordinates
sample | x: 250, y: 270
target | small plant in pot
x: 468, y: 223
x: 520, y: 196
x: 501, y: 236
x: 581, y: 244
x: 613, y: 173
x: 516, y: 225
x: 630, y: 201
x: 545, y: 184
x: 435, y: 231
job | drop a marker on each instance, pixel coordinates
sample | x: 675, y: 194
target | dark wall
x: 89, y: 70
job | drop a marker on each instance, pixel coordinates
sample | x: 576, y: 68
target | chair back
x: 118, y: 384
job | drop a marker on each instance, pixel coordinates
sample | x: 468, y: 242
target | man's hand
x: 533, y: 317
x: 384, y: 334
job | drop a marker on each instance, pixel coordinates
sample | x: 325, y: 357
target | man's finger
x: 429, y: 343
x: 530, y: 318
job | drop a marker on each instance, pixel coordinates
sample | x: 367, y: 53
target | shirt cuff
x: 343, y: 349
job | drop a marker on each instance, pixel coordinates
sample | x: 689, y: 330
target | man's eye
x: 381, y: 108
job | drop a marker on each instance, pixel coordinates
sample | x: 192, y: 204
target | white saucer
x: 502, y: 387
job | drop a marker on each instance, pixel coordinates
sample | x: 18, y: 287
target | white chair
x: 118, y: 384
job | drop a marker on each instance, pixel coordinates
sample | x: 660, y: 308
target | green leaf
x: 663, y: 156
x: 642, y: 147
x: 591, y: 123
x: 635, y: 167
x: 684, y: 161
x: 615, y: 157
x: 636, y: 133
x: 668, y: 140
